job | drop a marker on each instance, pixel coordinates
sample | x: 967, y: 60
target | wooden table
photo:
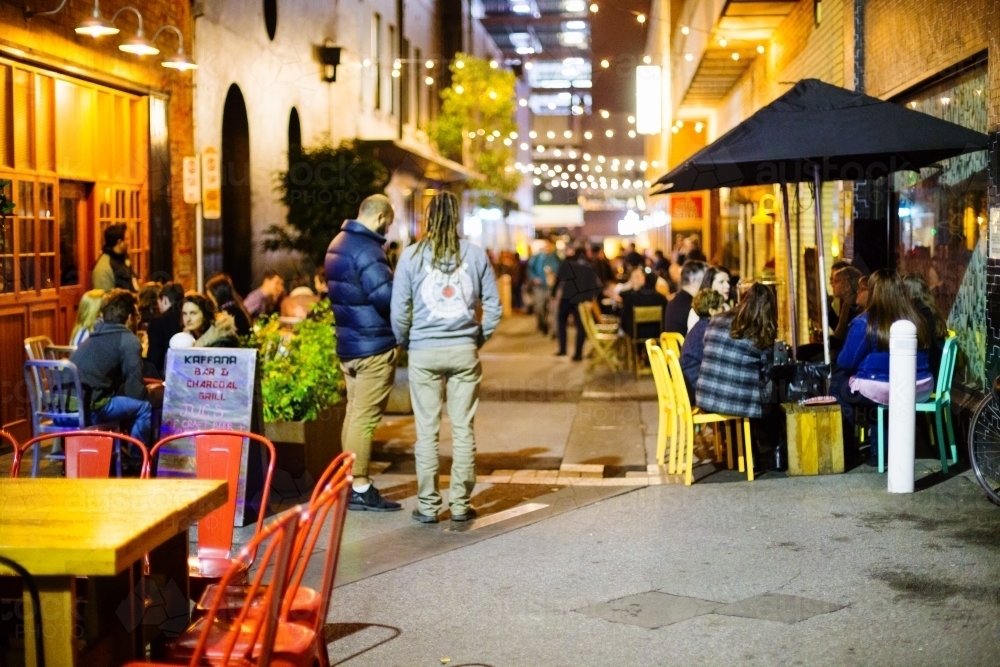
x: 59, y: 529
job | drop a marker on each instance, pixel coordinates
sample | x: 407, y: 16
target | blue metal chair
x: 57, y: 401
x: 939, y: 403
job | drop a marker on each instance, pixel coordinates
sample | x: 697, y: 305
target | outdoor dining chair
x: 666, y: 402
x: 238, y: 637
x: 689, y: 416
x: 34, y: 347
x: 305, y: 606
x: 642, y: 315
x: 218, y: 455
x: 670, y: 340
x: 56, y: 397
x: 939, y: 403
x: 89, y: 453
x: 605, y: 343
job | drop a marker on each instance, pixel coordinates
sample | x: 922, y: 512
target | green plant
x: 299, y: 370
x: 476, y: 123
x: 323, y: 187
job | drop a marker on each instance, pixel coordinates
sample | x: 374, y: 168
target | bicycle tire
x: 984, y: 446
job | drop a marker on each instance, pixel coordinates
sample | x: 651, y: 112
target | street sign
x: 211, y: 182
x: 192, y: 180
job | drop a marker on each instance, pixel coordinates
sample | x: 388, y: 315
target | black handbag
x: 797, y: 382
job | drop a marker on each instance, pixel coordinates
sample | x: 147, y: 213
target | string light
x: 588, y: 135
x: 760, y: 48
x: 593, y: 8
x: 429, y: 81
x: 688, y: 57
x: 605, y: 113
x: 459, y: 64
x: 459, y: 89
x: 685, y: 30
x: 647, y: 59
x: 605, y: 63
x: 723, y: 42
x: 641, y: 18
x: 736, y: 56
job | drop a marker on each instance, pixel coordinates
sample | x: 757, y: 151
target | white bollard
x: 902, y: 405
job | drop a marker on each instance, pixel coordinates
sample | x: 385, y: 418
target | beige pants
x: 457, y: 371
x: 369, y: 383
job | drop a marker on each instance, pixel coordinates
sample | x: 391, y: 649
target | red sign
x: 686, y: 207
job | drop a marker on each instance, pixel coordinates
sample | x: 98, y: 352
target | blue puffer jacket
x: 360, y: 283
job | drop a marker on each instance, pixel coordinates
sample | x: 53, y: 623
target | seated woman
x: 924, y: 302
x: 87, y: 315
x: 206, y: 327
x: 716, y: 278
x: 707, y: 303
x: 735, y: 373
x: 643, y: 293
x: 864, y: 360
x: 222, y: 292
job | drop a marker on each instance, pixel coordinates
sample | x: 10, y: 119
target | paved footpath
x: 581, y: 557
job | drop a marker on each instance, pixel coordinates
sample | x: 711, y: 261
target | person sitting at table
x: 735, y: 373
x: 715, y: 278
x: 642, y: 293
x: 149, y: 304
x: 925, y: 304
x: 162, y: 327
x: 707, y: 303
x: 208, y: 328
x: 222, y: 292
x: 864, y: 359
x: 109, y: 363
x: 88, y: 314
x: 676, y: 319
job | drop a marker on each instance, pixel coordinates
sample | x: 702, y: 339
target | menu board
x: 206, y: 389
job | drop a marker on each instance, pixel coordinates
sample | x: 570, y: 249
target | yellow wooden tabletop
x: 95, y: 527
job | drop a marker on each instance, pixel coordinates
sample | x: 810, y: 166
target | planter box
x: 311, y: 445
x: 399, y: 399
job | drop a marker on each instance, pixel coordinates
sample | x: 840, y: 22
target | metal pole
x: 791, y: 274
x: 199, y: 248
x: 902, y: 405
x: 817, y: 196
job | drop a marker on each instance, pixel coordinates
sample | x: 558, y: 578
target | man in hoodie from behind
x: 110, y: 366
x: 438, y: 284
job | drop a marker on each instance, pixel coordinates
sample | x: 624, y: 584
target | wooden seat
x: 605, y: 344
x: 688, y: 417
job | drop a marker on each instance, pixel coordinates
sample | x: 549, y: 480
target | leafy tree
x: 476, y: 123
x: 323, y: 186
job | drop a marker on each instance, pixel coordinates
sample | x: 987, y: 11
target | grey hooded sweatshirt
x: 436, y: 306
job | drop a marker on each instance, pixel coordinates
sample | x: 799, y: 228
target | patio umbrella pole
x: 817, y: 200
x: 791, y: 274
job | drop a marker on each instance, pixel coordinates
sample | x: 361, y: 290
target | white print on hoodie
x: 446, y: 294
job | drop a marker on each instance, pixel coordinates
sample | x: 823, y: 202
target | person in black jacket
x: 162, y: 328
x: 222, y: 292
x: 676, y: 318
x: 579, y: 284
x: 359, y: 282
x: 110, y: 367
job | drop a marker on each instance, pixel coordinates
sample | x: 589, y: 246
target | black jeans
x: 854, y: 409
x: 568, y: 309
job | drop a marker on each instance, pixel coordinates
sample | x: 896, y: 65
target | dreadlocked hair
x: 441, y: 232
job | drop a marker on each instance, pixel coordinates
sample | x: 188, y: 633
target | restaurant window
x: 393, y: 80
x: 941, y: 219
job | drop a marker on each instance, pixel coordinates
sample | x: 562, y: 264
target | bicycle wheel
x: 984, y: 446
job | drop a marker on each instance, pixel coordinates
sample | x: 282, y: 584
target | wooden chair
x: 642, y: 315
x: 34, y: 347
x: 666, y: 402
x: 939, y: 403
x: 672, y: 341
x: 59, y: 352
x: 245, y: 637
x: 89, y: 453
x: 688, y: 417
x: 218, y: 455
x: 605, y: 344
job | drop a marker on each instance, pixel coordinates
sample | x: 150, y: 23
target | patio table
x: 59, y: 529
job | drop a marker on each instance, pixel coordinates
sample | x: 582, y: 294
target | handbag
x: 797, y: 382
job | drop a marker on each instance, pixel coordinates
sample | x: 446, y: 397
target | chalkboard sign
x: 205, y: 389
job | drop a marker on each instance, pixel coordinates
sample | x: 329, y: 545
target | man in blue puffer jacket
x: 360, y: 291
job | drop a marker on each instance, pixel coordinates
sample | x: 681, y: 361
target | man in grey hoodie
x: 437, y: 286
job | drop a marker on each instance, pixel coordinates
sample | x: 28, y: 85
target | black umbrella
x: 820, y: 132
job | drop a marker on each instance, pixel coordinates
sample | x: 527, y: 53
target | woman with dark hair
x: 149, y: 304
x: 862, y: 380
x: 163, y: 327
x: 222, y: 292
x: 916, y: 288
x: 735, y: 373
x: 205, y: 326
x: 716, y: 278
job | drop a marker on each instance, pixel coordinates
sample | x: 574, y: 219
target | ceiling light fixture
x: 137, y: 45
x: 180, y: 60
x: 95, y: 26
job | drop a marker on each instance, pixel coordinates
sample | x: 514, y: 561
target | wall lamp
x: 137, y: 45
x: 329, y: 58
x: 180, y: 60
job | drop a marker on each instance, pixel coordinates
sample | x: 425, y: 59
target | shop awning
x: 420, y: 161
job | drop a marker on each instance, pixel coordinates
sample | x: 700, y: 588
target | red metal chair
x: 218, y: 455
x: 226, y: 638
x: 89, y: 454
x: 12, y: 441
x: 305, y: 606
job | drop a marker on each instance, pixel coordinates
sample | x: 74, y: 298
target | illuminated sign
x: 648, y: 99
